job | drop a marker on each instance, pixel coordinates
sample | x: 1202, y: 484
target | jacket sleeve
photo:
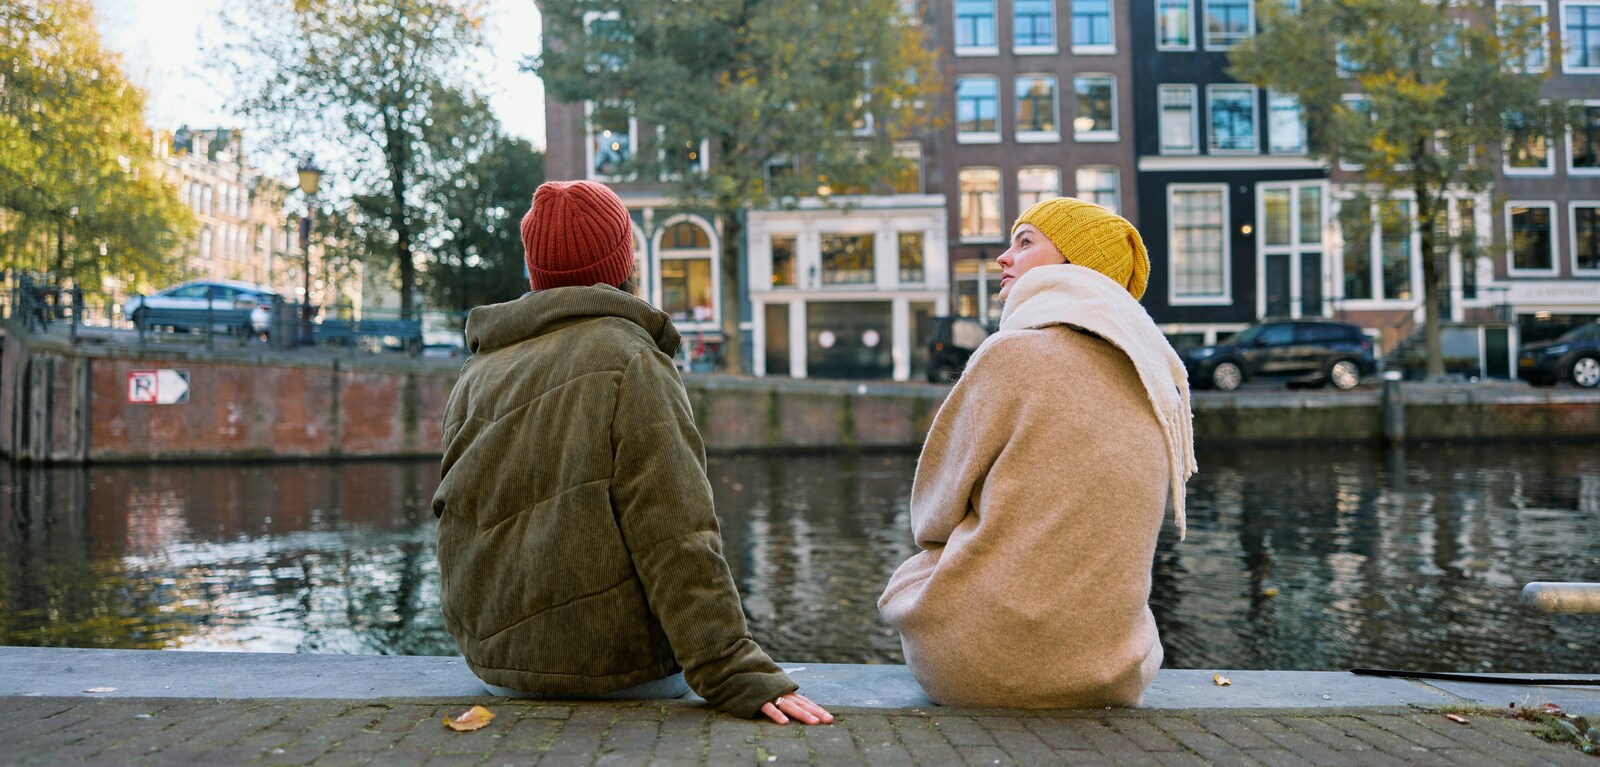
x: 663, y: 506
x: 962, y: 445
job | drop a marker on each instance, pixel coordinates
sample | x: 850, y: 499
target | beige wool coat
x: 578, y: 548
x: 1037, y: 502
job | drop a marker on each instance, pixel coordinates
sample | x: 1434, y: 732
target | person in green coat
x: 579, y: 555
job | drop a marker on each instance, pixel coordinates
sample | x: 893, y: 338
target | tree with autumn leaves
x: 1421, y: 95
x: 82, y: 196
x: 819, y: 88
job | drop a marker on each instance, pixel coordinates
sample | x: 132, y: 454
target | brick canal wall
x: 61, y: 402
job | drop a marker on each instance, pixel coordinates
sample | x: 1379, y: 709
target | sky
x: 160, y: 41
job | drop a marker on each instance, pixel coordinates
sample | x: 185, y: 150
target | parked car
x: 231, y: 305
x: 1573, y: 356
x: 951, y: 343
x: 1310, y: 352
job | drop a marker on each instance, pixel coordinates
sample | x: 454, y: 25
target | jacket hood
x: 499, y: 325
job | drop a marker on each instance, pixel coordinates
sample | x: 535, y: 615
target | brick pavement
x: 328, y: 733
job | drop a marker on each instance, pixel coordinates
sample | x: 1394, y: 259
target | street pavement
x: 125, y: 707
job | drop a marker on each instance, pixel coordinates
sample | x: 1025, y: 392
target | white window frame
x: 1105, y: 49
x: 661, y: 156
x: 1160, y: 46
x: 1205, y: 31
x: 1347, y: 100
x: 1021, y: 206
x: 913, y: 150
x: 713, y: 254
x: 1037, y: 50
x: 1572, y: 234
x: 1194, y: 118
x: 1572, y: 169
x: 1038, y: 137
x: 1335, y: 254
x: 589, y: 139
x: 1544, y: 8
x: 1548, y: 169
x: 1095, y: 136
x: 1225, y: 298
x: 1300, y: 122
x: 1000, y: 205
x: 1295, y: 249
x: 1255, y: 119
x: 1566, y: 57
x: 980, y: 137
x: 975, y: 50
x: 1555, y: 238
x: 1116, y: 185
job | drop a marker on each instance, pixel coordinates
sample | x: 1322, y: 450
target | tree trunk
x: 732, y: 339
x: 396, y: 146
x: 1427, y: 204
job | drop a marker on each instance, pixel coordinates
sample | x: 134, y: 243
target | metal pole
x: 305, y: 249
x: 1394, y: 409
x: 1564, y: 598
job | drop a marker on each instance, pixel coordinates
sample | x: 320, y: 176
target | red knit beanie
x: 577, y: 233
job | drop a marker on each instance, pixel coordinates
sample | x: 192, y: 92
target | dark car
x: 1574, y: 356
x: 1311, y: 352
x: 952, y: 341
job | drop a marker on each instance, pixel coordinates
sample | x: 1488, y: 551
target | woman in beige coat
x: 1044, y: 481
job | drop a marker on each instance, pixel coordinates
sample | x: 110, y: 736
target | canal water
x: 1296, y: 559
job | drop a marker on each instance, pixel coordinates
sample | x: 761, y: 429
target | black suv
x: 1575, y: 357
x: 952, y: 341
x: 1314, y: 352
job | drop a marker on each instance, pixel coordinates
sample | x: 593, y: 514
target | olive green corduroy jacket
x: 578, y: 550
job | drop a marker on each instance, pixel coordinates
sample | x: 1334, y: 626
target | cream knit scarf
x: 1066, y: 294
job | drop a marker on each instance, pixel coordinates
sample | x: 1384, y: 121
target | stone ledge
x: 55, y: 672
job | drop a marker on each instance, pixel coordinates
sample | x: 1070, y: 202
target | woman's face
x: 1029, y: 248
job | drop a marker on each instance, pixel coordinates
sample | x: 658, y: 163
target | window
x: 1034, y: 25
x: 1532, y: 243
x: 1233, y: 118
x: 1286, y: 132
x: 1395, y: 247
x: 680, y: 156
x: 1091, y: 26
x: 785, y: 262
x: 1517, y: 13
x: 911, y: 257
x: 1175, y: 25
x: 205, y: 242
x: 1098, y: 184
x: 1525, y: 151
x: 1586, y: 236
x: 610, y: 141
x: 605, y: 41
x: 977, y: 109
x: 980, y: 204
x: 1178, y: 126
x: 1096, y: 117
x: 1583, y: 143
x: 686, y: 286
x: 1037, y: 184
x: 909, y: 180
x: 1378, y: 251
x: 1036, y: 108
x: 974, y: 26
x: 847, y: 259
x: 1199, y: 253
x: 1228, y: 23
x: 1580, y: 35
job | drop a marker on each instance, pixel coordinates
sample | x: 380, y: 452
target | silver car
x: 229, y: 304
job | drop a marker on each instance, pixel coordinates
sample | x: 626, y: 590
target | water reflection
x: 1314, y: 558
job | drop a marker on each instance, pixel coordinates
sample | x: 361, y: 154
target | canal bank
x: 159, y: 708
x: 62, y: 402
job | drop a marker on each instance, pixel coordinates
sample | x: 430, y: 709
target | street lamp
x: 310, y: 179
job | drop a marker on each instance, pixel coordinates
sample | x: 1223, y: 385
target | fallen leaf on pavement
x: 475, y: 718
x: 1220, y: 680
x: 101, y: 689
x: 1456, y: 718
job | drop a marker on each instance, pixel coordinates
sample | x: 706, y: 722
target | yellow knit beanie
x: 1089, y: 235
